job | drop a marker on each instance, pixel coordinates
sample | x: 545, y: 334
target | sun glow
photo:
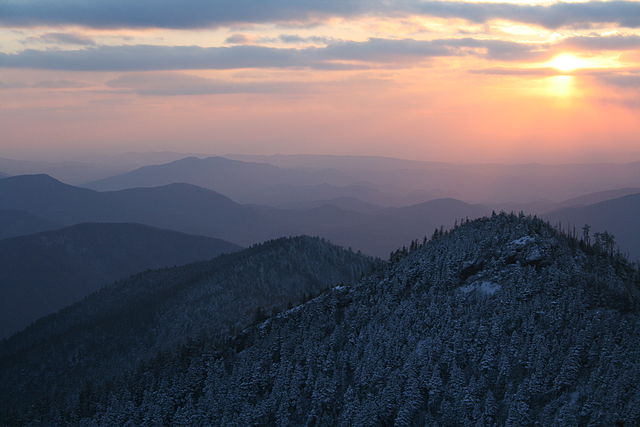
x: 560, y: 86
x: 567, y: 63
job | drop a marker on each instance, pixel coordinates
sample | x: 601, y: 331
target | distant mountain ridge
x: 220, y: 174
x: 398, y: 182
x: 18, y: 223
x: 618, y: 216
x: 44, y: 272
x: 191, y: 209
x: 76, y: 172
x: 180, y: 207
x: 601, y: 196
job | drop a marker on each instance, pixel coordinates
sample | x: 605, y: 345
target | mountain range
x: 346, y: 221
x: 180, y: 207
x: 500, y: 321
x: 195, y: 210
x: 44, y: 272
x: 479, y: 183
x: 76, y: 172
x: 230, y: 177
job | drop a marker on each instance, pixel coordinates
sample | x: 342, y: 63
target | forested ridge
x: 44, y: 368
x: 501, y: 321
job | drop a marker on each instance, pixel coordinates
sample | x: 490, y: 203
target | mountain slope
x: 601, y: 196
x: 42, y: 273
x: 503, y: 321
x: 345, y: 203
x: 617, y: 216
x: 378, y: 232
x: 114, y: 329
x: 195, y: 210
x: 227, y: 176
x: 480, y: 183
x: 179, y: 207
x: 18, y: 223
x: 72, y: 171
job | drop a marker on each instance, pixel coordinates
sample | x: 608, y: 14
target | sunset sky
x: 455, y: 81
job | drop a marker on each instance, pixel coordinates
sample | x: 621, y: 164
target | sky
x: 459, y: 81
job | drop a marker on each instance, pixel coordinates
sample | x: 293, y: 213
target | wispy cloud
x: 214, y: 13
x: 502, y: 71
x: 177, y: 84
x: 44, y: 84
x: 333, y: 56
x: 66, y: 38
x: 552, y: 16
x: 240, y: 39
x: 625, y: 80
x: 617, y: 42
x: 173, y: 13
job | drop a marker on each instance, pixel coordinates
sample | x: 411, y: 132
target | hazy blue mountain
x: 3, y: 175
x: 129, y: 322
x: 542, y: 207
x: 502, y: 321
x: 195, y: 210
x: 440, y: 211
x: 18, y: 223
x: 618, y: 216
x: 319, y: 162
x: 75, y: 172
x: 180, y: 207
x: 44, y: 272
x: 377, y: 232
x: 479, y: 183
x: 137, y: 159
x: 344, y: 203
x: 231, y: 177
x: 600, y: 196
x: 262, y: 183
x: 288, y: 194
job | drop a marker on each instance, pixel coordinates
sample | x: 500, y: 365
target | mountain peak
x: 508, y: 251
x: 33, y: 179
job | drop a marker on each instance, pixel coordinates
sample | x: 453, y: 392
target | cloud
x: 499, y: 49
x: 296, y: 39
x: 619, y: 42
x: 339, y: 55
x: 148, y: 57
x: 45, y: 84
x: 622, y: 80
x: 180, y: 84
x: 173, y: 13
x: 12, y: 85
x: 552, y: 16
x: 542, y: 72
x: 240, y: 39
x: 176, y: 84
x: 215, y: 13
x: 66, y: 38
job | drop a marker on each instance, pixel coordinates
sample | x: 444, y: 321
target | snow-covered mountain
x: 502, y: 321
x: 135, y: 321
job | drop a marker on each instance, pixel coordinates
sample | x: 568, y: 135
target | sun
x: 567, y: 63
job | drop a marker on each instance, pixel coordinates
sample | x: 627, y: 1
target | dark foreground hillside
x: 56, y: 363
x: 501, y: 322
x: 44, y: 272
